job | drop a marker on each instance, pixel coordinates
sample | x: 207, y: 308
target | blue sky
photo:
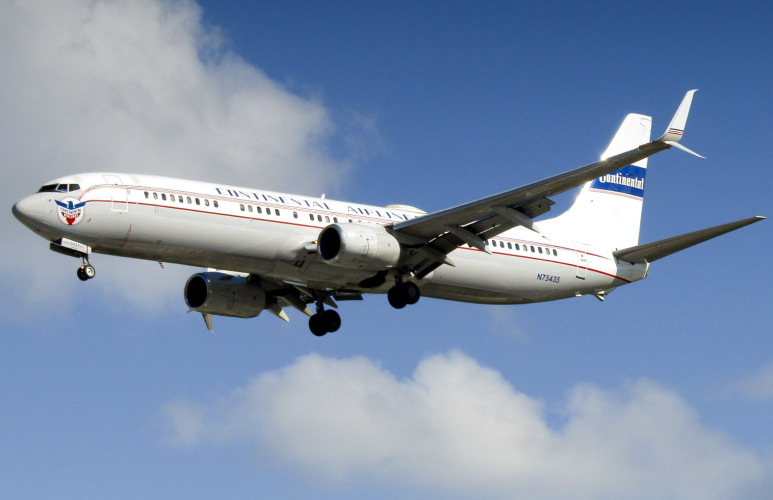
x: 109, y: 389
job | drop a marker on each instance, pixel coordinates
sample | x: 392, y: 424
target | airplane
x: 267, y: 251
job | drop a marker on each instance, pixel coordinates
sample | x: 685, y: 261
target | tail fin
x: 607, y: 211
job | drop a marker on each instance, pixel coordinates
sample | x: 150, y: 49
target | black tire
x: 331, y: 320
x: 411, y: 292
x: 317, y: 325
x: 396, y: 297
x: 82, y: 274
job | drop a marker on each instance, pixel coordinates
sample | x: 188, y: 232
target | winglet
x: 675, y: 129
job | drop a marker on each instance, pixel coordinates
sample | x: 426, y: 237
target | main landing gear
x: 328, y: 321
x: 86, y: 271
x: 325, y: 321
x: 404, y: 293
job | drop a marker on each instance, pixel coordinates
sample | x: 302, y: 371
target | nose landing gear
x: 78, y: 250
x: 86, y: 271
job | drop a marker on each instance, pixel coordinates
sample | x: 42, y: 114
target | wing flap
x: 651, y: 252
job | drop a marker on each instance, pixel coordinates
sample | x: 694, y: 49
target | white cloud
x: 456, y: 427
x: 139, y: 86
x: 757, y: 387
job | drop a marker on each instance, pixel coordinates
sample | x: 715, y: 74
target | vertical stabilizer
x: 607, y: 211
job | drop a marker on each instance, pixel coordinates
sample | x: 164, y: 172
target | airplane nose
x: 29, y: 210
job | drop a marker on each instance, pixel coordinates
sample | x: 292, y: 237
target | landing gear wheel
x: 411, y: 292
x: 331, y: 320
x: 86, y: 272
x: 396, y: 298
x: 324, y: 322
x: 317, y: 326
x: 403, y: 294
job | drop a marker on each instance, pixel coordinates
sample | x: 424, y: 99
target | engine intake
x: 224, y: 295
x: 358, y: 246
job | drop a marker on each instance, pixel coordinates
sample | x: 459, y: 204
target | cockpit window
x: 59, y: 188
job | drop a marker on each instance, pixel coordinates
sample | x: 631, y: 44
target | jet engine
x: 224, y: 295
x: 358, y: 246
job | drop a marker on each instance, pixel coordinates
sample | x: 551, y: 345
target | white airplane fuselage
x: 274, y: 235
x: 283, y: 250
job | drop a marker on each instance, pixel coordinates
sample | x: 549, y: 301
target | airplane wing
x: 435, y: 235
x: 281, y: 294
x: 651, y: 252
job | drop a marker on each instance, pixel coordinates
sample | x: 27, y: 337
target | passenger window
x: 501, y: 244
x: 311, y: 216
x: 335, y: 220
x: 155, y: 196
x: 555, y: 253
x: 259, y: 210
x: 540, y: 249
x: 249, y: 208
x: 517, y: 246
x: 532, y: 249
x: 163, y: 196
x: 327, y: 219
x: 206, y: 203
x: 241, y: 207
x: 215, y: 203
x: 147, y: 195
x: 189, y: 200
x: 509, y: 246
x: 319, y: 218
x: 276, y: 212
x: 198, y: 202
x: 295, y: 215
x: 268, y: 211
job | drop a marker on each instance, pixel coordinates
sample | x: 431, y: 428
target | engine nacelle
x: 358, y: 246
x: 224, y: 295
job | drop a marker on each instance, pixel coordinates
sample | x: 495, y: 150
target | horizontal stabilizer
x: 663, y: 248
